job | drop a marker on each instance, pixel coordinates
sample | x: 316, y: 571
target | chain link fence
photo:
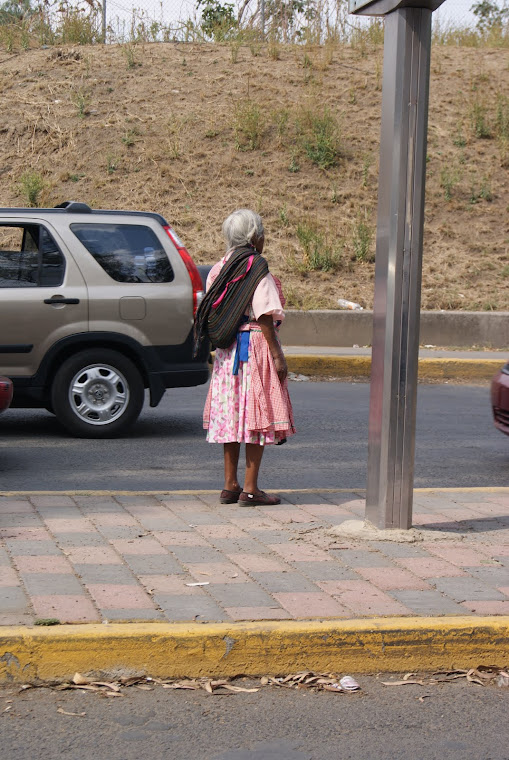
x: 291, y: 20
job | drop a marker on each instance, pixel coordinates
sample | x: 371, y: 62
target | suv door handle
x: 55, y: 301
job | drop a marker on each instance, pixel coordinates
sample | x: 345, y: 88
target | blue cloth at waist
x: 242, y: 348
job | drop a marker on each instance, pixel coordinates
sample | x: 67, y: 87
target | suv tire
x: 97, y: 393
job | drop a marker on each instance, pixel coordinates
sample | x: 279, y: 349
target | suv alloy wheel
x: 97, y: 393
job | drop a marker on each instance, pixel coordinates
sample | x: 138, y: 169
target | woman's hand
x: 267, y: 327
x: 281, y: 366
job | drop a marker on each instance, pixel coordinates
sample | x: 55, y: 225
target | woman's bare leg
x: 231, y: 462
x: 254, y: 454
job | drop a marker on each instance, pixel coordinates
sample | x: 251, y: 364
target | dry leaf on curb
x: 182, y: 685
x: 402, y: 683
x: 308, y: 679
x: 74, y: 715
x: 424, y: 696
x: 85, y: 687
x: 133, y: 680
x: 113, y: 694
x: 143, y: 687
x: 107, y: 685
x: 80, y: 680
x: 409, y: 675
x: 238, y: 689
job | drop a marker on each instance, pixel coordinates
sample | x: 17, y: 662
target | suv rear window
x: 29, y: 257
x: 126, y: 252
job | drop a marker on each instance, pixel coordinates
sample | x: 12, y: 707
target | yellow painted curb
x: 360, y: 366
x: 30, y: 654
x: 333, y: 366
x: 458, y: 369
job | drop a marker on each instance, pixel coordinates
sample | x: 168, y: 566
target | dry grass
x: 193, y: 131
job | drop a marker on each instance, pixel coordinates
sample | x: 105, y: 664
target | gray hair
x: 241, y: 227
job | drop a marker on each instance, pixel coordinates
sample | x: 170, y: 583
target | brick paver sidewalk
x: 91, y: 558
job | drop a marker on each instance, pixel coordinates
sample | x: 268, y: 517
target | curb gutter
x: 360, y: 366
x: 31, y: 654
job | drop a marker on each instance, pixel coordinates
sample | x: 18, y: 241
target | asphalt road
x: 453, y: 721
x: 457, y: 445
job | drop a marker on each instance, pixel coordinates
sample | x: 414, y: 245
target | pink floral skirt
x: 251, y: 407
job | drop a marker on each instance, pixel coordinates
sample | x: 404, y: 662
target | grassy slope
x: 153, y: 127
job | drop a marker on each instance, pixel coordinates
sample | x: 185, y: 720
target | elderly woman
x: 248, y: 399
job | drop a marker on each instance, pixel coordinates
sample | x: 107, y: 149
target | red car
x: 500, y: 399
x: 5, y: 393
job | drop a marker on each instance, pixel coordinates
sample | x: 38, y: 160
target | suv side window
x: 29, y: 257
x: 126, y: 252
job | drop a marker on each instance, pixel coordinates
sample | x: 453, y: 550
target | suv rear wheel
x: 97, y: 394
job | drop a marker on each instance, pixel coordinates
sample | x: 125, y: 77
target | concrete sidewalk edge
x: 34, y: 655
x: 360, y: 366
x: 211, y: 491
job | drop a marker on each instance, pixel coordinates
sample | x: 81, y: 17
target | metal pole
x: 396, y: 311
x: 104, y: 22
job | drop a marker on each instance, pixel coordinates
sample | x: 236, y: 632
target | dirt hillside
x: 193, y: 131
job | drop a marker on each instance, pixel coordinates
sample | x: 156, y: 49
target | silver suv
x: 95, y: 306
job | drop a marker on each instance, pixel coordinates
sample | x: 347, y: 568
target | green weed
x: 502, y: 118
x: 78, y: 26
x: 366, y: 165
x: 47, y: 621
x: 248, y: 125
x: 129, y: 51
x: 319, y: 255
x: 479, y: 122
x: 111, y: 163
x: 283, y: 216
x: 31, y: 185
x: 362, y: 239
x: 481, y: 192
x: 129, y: 137
x: 294, y: 165
x: 458, y: 138
x: 449, y: 178
x: 281, y: 119
x: 273, y: 48
x: 320, y: 137
x: 81, y: 99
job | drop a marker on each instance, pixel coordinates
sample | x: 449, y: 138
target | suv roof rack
x: 75, y: 207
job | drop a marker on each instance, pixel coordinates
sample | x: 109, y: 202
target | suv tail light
x: 194, y: 274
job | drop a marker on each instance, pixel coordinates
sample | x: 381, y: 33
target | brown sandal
x: 229, y: 497
x: 261, y: 499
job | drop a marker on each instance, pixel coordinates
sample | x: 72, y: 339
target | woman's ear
x: 259, y: 243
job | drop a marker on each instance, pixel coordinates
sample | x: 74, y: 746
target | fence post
x: 104, y: 22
